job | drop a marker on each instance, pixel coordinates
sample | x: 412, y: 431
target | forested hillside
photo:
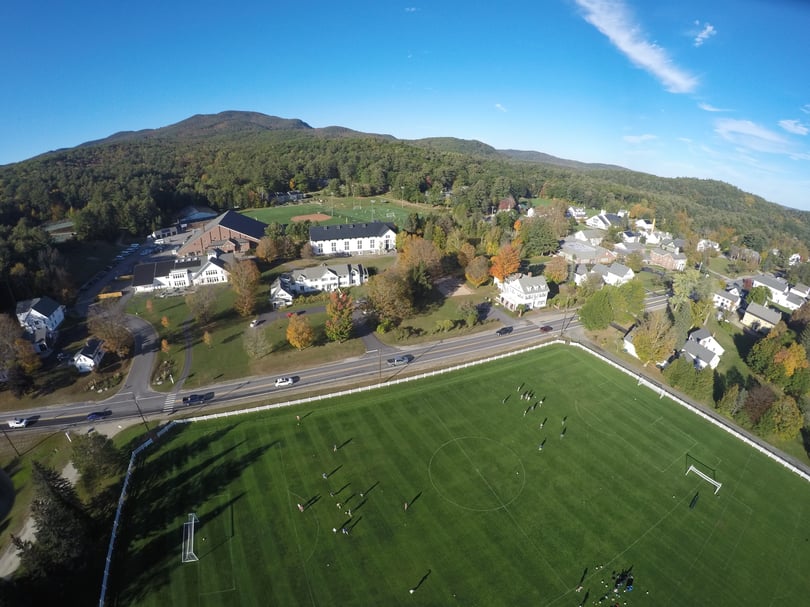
x: 136, y: 181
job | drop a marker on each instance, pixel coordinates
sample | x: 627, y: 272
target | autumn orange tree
x: 339, y: 312
x: 300, y: 334
x: 417, y: 251
x: 505, y: 262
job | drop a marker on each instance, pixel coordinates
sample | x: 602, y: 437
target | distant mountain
x: 562, y: 162
x: 201, y: 126
x: 453, y: 145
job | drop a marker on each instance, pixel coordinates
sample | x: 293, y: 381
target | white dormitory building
x: 181, y: 273
x: 523, y: 290
x: 317, y: 279
x: 702, y: 349
x: 371, y: 238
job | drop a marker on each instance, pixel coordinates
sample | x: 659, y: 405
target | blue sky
x: 717, y: 89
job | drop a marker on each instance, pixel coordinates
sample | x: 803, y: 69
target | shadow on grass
x: 147, y: 552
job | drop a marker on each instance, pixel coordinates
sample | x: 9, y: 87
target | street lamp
x: 143, y: 419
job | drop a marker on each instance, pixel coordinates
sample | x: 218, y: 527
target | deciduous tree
x: 556, y: 269
x: 390, y: 296
x: 758, y: 295
x: 202, y: 303
x: 783, y: 419
x: 339, y: 311
x: 597, y: 312
x: 300, y: 334
x: 466, y: 254
x: 256, y: 343
x: 244, y: 278
x: 654, y: 338
x: 477, y: 271
x: 107, y: 321
x: 417, y: 251
x: 506, y: 262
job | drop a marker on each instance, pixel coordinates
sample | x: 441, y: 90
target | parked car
x: 398, y: 361
x: 19, y: 422
x: 503, y: 331
x: 284, y: 381
x: 254, y: 322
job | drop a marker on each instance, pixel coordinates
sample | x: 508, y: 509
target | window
x: 334, y: 247
x: 345, y: 245
x: 371, y: 243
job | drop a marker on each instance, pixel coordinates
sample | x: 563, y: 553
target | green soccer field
x: 491, y: 518
x: 340, y: 210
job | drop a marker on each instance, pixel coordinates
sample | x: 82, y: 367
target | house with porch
x: 523, y: 290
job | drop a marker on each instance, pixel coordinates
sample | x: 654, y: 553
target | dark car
x: 398, y: 361
x: 97, y: 415
x: 503, y: 331
x: 546, y: 328
x: 192, y: 399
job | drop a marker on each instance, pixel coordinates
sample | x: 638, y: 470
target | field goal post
x: 188, y: 555
x: 703, y: 471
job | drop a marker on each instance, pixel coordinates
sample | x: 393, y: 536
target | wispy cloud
x: 806, y: 108
x: 499, y: 107
x: 411, y: 9
x: 613, y: 19
x: 636, y: 139
x: 710, y: 108
x: 751, y: 136
x: 794, y: 126
x: 707, y: 32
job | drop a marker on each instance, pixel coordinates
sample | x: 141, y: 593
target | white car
x: 284, y: 381
x: 254, y: 322
x: 20, y: 422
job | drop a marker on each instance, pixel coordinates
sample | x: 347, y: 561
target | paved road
x: 137, y: 399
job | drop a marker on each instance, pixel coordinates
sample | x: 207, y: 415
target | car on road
x: 193, y: 399
x: 503, y: 331
x: 398, y: 361
x: 97, y: 415
x: 19, y: 422
x: 546, y: 328
x: 284, y: 381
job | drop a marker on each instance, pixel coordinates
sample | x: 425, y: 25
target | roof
x: 350, y: 230
x: 91, y: 348
x: 529, y: 284
x: 767, y: 314
x: 695, y: 351
x: 620, y: 269
x: 699, y: 334
x: 144, y: 274
x: 43, y: 305
x: 772, y: 282
x: 239, y: 223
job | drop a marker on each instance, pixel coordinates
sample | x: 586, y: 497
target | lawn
x: 491, y: 519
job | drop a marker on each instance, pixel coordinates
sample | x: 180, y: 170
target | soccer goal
x: 709, y: 478
x: 188, y: 539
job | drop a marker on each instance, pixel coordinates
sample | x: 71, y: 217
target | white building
x: 181, y: 273
x: 323, y: 278
x: 523, y: 290
x: 353, y: 239
x: 702, y: 349
x: 41, y: 313
x: 88, y: 358
x: 604, y: 221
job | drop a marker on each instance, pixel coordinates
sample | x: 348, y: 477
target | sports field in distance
x: 490, y: 520
x: 339, y: 210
